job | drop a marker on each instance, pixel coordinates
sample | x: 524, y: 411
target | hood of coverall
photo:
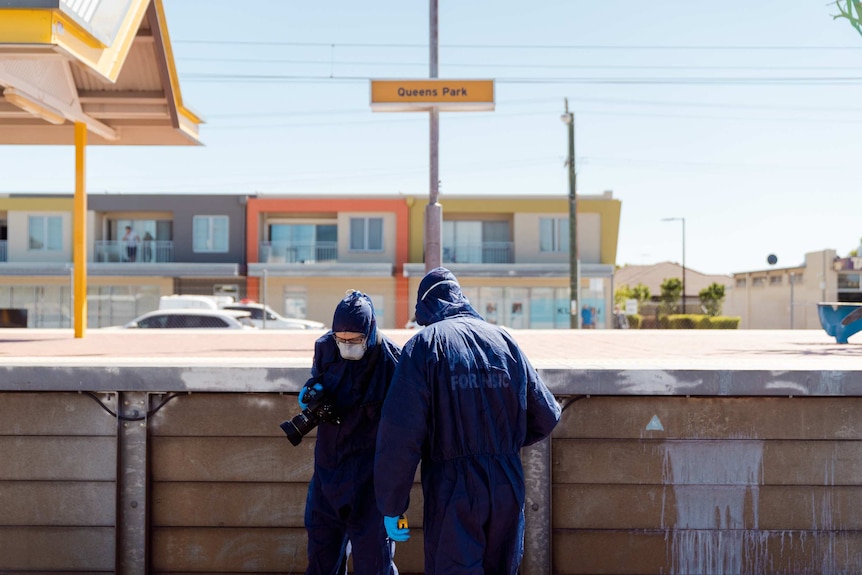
x: 439, y: 297
x: 356, y: 313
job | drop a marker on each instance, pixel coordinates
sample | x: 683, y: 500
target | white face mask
x: 352, y: 351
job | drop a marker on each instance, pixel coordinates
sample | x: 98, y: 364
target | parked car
x: 178, y: 301
x: 273, y: 319
x: 192, y: 319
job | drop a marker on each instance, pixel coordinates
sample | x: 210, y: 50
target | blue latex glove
x: 303, y: 401
x: 393, y: 531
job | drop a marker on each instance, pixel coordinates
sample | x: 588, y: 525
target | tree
x: 711, y: 299
x: 671, y: 289
x: 640, y: 293
x: 852, y: 11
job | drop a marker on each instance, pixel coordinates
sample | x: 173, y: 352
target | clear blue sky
x: 742, y: 117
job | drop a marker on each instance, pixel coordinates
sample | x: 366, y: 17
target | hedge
x: 698, y: 321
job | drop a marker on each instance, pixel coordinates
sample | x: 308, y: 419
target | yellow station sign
x: 422, y: 95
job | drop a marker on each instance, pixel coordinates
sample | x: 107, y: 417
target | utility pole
x: 434, y: 211
x: 574, y: 263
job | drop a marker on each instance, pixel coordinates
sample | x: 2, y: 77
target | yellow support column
x: 79, y: 231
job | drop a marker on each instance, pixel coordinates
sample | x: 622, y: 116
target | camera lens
x: 299, y: 426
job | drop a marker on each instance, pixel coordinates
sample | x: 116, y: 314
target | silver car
x: 273, y: 319
x: 192, y: 319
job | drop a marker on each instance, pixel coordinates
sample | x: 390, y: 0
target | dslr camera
x: 318, y: 410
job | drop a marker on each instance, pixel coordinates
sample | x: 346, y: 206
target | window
x: 366, y: 234
x: 848, y: 281
x: 758, y: 281
x: 210, y: 234
x: 775, y: 280
x: 553, y: 234
x: 303, y: 243
x: 46, y: 233
x: 477, y: 242
x: 740, y: 282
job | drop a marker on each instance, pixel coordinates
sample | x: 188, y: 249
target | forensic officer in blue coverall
x: 353, y: 365
x: 464, y: 401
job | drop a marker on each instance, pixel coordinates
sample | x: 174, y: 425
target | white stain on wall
x: 714, y: 483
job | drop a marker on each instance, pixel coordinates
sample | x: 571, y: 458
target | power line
x: 421, y: 46
x: 606, y: 101
x: 581, y: 112
x: 702, y: 81
x: 507, y: 66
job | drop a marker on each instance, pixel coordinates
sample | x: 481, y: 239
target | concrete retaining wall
x: 203, y: 481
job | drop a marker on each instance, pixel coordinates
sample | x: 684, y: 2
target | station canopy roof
x: 105, y: 63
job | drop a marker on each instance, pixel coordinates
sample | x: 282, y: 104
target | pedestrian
x: 131, y: 241
x: 620, y: 319
x: 352, y: 367
x: 464, y: 400
x: 587, y: 318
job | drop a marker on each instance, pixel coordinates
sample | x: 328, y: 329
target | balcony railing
x: 483, y: 253
x: 294, y: 253
x: 147, y: 252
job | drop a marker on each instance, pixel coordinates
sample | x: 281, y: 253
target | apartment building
x: 511, y: 255
x: 191, y: 244
x: 185, y: 244
x: 299, y: 254
x: 304, y: 252
x: 36, y: 256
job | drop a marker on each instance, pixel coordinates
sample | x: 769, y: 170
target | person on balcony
x: 352, y: 367
x: 131, y: 241
x: 148, y: 247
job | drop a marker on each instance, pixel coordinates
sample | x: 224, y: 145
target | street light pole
x: 574, y: 264
x: 683, y: 257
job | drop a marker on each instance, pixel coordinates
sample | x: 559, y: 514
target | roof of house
x: 652, y: 277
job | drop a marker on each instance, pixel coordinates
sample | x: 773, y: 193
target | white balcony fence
x: 146, y: 252
x: 480, y: 253
x: 295, y: 253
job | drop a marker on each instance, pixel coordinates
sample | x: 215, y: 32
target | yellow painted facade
x: 492, y: 207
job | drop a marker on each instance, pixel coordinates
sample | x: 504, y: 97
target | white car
x: 192, y: 319
x: 273, y: 320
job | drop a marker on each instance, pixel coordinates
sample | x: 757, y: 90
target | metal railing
x: 294, y: 253
x: 148, y: 251
x: 482, y: 253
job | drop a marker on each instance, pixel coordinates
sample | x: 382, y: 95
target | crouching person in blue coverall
x: 464, y: 401
x: 353, y: 365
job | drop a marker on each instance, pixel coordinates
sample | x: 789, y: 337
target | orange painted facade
x: 257, y: 208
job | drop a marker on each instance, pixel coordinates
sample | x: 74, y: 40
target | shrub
x: 697, y: 321
x: 682, y: 321
x: 725, y: 322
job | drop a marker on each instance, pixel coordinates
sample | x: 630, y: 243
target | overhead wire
x: 612, y: 47
x: 507, y: 65
x: 701, y: 81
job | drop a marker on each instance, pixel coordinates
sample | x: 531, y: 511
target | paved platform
x: 632, y: 362
x: 604, y: 349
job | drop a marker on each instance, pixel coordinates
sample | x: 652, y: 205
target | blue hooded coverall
x: 340, y: 504
x: 464, y: 401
